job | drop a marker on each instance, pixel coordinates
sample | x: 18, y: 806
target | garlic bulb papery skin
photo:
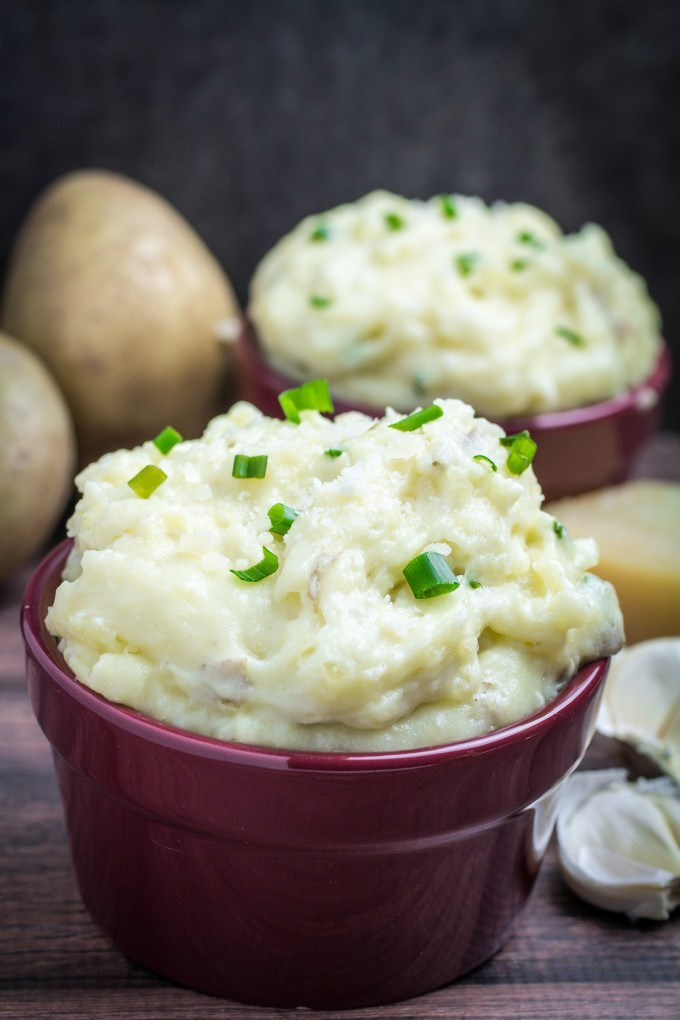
x: 641, y: 702
x: 619, y: 842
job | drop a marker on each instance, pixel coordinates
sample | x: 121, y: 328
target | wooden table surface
x: 565, y: 959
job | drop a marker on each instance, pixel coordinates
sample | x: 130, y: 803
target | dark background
x: 249, y: 115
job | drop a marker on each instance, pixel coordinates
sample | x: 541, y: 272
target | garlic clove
x: 641, y: 702
x: 619, y: 842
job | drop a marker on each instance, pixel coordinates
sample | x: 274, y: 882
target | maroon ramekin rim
x: 574, y: 417
x: 581, y: 687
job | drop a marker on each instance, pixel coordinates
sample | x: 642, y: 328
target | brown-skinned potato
x: 122, y: 300
x: 37, y: 454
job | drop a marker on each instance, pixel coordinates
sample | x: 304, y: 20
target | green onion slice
x: 575, y: 339
x: 418, y: 418
x: 267, y: 565
x: 319, y: 301
x: 321, y: 232
x: 146, y: 481
x: 311, y: 396
x: 517, y: 265
x: 166, y: 439
x: 475, y: 584
x: 558, y: 528
x: 249, y: 467
x: 526, y: 237
x: 486, y: 460
x: 333, y: 453
x: 281, y: 517
x: 466, y: 262
x: 394, y: 221
x: 430, y: 575
x: 522, y: 450
x: 449, y: 209
x: 419, y: 383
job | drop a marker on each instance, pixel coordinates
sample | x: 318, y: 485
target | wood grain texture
x: 565, y: 959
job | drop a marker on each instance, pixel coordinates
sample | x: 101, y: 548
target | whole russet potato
x: 123, y: 301
x: 37, y: 454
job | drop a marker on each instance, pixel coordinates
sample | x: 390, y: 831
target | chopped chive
x: 526, y: 237
x: 146, y: 481
x: 449, y: 208
x: 310, y: 396
x: 558, y: 528
x: 509, y: 440
x: 517, y: 265
x: 466, y: 262
x: 333, y: 453
x: 419, y: 384
x: 575, y: 339
x: 321, y: 232
x: 475, y: 584
x: 281, y: 517
x: 319, y: 301
x: 482, y: 458
x: 249, y: 467
x: 267, y: 565
x: 429, y: 575
x: 394, y: 221
x: 522, y: 450
x: 418, y: 418
x: 166, y: 439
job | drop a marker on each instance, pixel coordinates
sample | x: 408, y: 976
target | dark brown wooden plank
x: 526, y: 1001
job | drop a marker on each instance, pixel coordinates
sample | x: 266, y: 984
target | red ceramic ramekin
x: 579, y: 450
x: 287, y: 878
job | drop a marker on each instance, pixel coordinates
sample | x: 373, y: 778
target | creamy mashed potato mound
x: 397, y: 301
x: 332, y: 651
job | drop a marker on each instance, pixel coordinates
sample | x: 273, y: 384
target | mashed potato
x: 395, y: 301
x: 332, y: 650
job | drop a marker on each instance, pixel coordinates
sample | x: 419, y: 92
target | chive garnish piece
x: 333, y: 453
x: 429, y: 575
x: 522, y: 450
x: 526, y: 237
x: 418, y: 418
x: 249, y: 467
x: 466, y: 262
x: 575, y: 339
x: 394, y: 221
x: 310, y: 396
x: 321, y: 232
x: 517, y: 265
x: 166, y: 439
x: 419, y: 383
x: 267, y: 565
x: 319, y: 301
x: 281, y: 517
x: 449, y: 209
x: 558, y: 528
x: 487, y: 460
x: 475, y: 584
x: 146, y: 481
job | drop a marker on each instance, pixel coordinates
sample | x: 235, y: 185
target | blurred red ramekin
x: 580, y: 449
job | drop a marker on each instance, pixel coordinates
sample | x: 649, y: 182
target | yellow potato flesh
x: 637, y: 527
